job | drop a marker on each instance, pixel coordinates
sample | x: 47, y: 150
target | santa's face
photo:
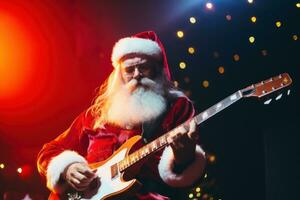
x: 137, y: 68
x: 140, y: 98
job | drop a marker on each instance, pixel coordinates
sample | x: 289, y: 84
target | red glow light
x: 15, y: 55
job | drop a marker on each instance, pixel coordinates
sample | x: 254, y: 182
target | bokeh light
x: 251, y: 39
x: 205, y: 83
x: 209, y: 5
x: 278, y: 24
x: 182, y: 65
x: 228, y: 17
x: 253, y: 19
x: 221, y: 70
x: 193, y: 20
x: 236, y: 57
x: 191, y: 50
x: 180, y: 34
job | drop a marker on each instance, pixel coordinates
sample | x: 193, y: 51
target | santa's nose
x: 137, y: 74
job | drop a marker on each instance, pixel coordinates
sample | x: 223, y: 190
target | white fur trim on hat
x: 57, y: 166
x: 191, y: 174
x: 135, y: 45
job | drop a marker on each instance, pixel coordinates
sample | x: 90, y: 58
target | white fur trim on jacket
x: 57, y: 165
x: 135, y: 45
x: 188, y: 176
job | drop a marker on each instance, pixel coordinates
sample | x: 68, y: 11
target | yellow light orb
x: 205, y: 84
x: 250, y: 1
x: 191, y: 195
x: 295, y: 37
x: 198, y: 194
x: 191, y: 50
x: 193, y: 20
x: 221, y: 70
x: 251, y: 39
x: 298, y: 5
x: 198, y: 189
x: 253, y: 19
x: 182, y: 65
x: 228, y: 17
x: 180, y: 34
x: 2, y: 166
x: 205, y: 175
x: 278, y: 24
x: 236, y: 57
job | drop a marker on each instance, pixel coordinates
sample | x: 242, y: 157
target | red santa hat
x: 144, y: 43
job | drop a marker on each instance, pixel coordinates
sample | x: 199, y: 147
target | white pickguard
x: 110, y: 185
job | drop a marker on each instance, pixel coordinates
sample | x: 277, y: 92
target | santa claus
x: 138, y: 98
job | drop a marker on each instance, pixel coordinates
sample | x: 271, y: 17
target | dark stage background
x: 55, y: 53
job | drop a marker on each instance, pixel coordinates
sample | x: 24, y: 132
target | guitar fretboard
x: 165, y: 140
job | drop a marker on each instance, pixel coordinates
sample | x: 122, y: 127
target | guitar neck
x: 203, y: 116
x: 163, y: 140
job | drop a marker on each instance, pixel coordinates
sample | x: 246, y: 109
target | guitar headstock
x: 268, y: 86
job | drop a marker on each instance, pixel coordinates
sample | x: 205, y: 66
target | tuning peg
x: 268, y: 102
x: 278, y: 97
x: 288, y: 92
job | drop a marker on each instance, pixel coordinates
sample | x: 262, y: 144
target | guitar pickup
x: 114, y: 171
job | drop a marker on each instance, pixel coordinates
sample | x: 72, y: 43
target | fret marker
x: 219, y: 105
x: 233, y: 97
x: 204, y: 115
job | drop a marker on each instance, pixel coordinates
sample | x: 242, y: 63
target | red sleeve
x: 67, y: 148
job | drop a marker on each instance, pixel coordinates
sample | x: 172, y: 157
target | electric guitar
x: 114, y: 174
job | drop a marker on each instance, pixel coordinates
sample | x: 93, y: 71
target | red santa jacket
x: 82, y: 143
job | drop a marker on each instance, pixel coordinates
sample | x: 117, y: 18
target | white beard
x: 135, y: 104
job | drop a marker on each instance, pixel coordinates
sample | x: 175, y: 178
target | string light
x: 180, y: 34
x: 205, y: 84
x: 191, y: 195
x: 264, y: 52
x: 216, y: 54
x: 198, y: 194
x: 251, y: 39
x: 221, y: 70
x: 191, y: 50
x: 198, y: 189
x: 209, y: 6
x: 182, y: 65
x: 193, y: 20
x: 212, y: 158
x: 2, y: 166
x: 278, y: 24
x: 253, y: 19
x: 19, y: 170
x: 250, y: 1
x: 228, y: 17
x: 295, y: 37
x: 298, y: 5
x: 236, y: 57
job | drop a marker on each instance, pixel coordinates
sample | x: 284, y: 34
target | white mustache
x: 144, y: 82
